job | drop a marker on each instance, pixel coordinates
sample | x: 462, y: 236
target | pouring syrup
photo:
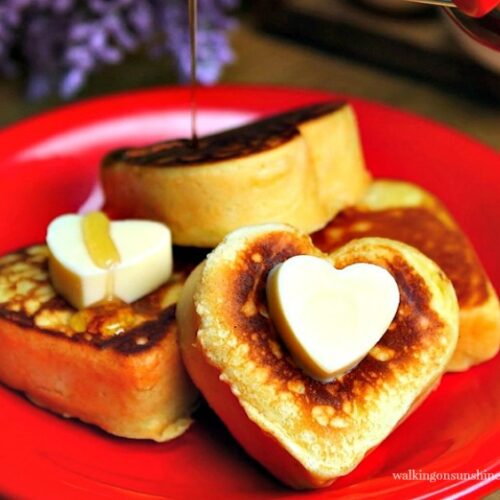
x: 193, y: 28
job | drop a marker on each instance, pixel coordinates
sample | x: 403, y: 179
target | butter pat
x: 145, y: 261
x: 329, y: 318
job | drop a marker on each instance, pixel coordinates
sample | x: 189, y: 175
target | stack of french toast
x: 308, y: 371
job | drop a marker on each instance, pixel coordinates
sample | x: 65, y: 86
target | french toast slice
x: 406, y: 212
x: 308, y: 433
x: 116, y: 366
x: 300, y: 167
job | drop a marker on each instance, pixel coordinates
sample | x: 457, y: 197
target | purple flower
x: 60, y: 42
x: 214, y: 50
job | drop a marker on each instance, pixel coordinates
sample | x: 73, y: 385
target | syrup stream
x: 193, y: 28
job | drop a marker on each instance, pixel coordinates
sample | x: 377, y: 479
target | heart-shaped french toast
x: 307, y: 432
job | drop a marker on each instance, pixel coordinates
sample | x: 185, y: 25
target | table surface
x: 264, y: 59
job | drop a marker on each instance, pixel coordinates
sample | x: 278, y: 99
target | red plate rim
x: 14, y: 139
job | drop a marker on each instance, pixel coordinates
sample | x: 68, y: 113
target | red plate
x: 48, y: 166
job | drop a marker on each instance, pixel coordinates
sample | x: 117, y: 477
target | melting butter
x: 329, y: 318
x: 94, y: 260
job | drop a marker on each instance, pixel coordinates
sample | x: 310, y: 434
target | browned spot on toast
x: 256, y: 137
x: 404, y: 340
x: 420, y: 228
x: 144, y: 336
x: 28, y: 299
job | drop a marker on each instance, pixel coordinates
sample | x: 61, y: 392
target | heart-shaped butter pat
x: 143, y: 263
x: 329, y: 318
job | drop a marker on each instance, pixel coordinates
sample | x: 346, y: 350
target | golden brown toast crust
x: 419, y: 227
x: 425, y: 224
x: 238, y: 142
x: 299, y: 168
x: 327, y: 428
x: 117, y: 366
x: 28, y: 299
x: 415, y: 325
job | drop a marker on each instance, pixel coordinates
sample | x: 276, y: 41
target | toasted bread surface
x: 116, y: 365
x: 310, y: 432
x: 405, y: 212
x: 300, y: 167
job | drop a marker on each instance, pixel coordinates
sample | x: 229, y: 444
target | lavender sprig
x: 58, y: 43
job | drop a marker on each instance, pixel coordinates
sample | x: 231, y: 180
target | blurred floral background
x: 56, y: 44
x: 391, y: 51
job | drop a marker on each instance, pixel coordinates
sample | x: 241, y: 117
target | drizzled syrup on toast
x: 101, y: 248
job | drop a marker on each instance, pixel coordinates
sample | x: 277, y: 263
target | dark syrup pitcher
x: 480, y: 19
